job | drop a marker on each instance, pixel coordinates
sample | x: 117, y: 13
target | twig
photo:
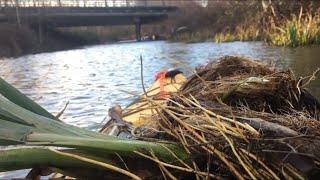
x: 312, y: 77
x: 141, y: 73
x: 62, y: 111
x: 261, y: 163
x: 173, y: 166
x: 124, y: 163
x: 164, y: 169
x: 105, y: 165
x: 266, y: 126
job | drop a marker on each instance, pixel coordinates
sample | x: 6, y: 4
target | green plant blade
x: 17, y: 113
x: 107, y: 146
x: 24, y: 158
x: 13, y: 133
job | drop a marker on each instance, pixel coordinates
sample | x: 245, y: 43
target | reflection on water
x: 304, y: 61
x: 91, y: 78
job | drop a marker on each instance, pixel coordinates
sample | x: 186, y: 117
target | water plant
x: 296, y: 31
x: 241, y: 33
x: 224, y: 37
x: 280, y: 24
x: 192, y: 37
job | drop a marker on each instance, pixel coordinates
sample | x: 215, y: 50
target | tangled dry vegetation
x: 233, y: 119
x: 238, y: 118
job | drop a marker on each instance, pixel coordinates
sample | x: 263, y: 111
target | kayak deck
x: 139, y: 112
x: 142, y: 111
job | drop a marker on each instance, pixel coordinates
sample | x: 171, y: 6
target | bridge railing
x: 82, y: 3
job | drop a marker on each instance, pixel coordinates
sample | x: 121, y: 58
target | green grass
x: 300, y: 30
x: 225, y: 37
x: 241, y: 33
x: 192, y: 37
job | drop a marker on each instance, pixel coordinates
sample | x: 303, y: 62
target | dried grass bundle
x: 239, y: 81
x: 239, y: 118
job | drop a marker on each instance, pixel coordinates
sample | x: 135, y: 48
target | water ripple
x: 90, y: 78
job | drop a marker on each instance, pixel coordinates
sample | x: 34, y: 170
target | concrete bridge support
x: 138, y: 29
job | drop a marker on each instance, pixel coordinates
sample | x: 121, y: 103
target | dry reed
x: 216, y: 119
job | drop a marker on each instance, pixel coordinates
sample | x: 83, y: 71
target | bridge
x: 71, y: 13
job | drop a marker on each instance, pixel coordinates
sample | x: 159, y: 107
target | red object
x: 161, y: 77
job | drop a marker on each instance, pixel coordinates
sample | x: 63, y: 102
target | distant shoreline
x: 18, y: 41
x: 278, y: 24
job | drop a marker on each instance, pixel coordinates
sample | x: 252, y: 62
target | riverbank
x: 21, y: 40
x: 280, y: 23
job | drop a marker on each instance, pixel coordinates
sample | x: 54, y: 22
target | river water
x: 94, y: 78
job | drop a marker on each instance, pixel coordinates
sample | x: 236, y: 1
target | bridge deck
x: 89, y: 16
x: 86, y: 16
